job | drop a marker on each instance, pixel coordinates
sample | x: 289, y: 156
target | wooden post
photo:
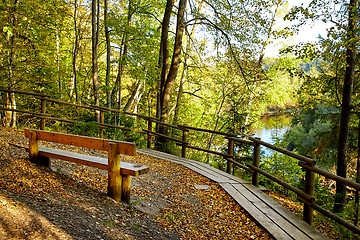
x: 43, y: 111
x: 114, y: 176
x: 149, y: 134
x: 230, y: 152
x: 33, y: 147
x: 256, y: 163
x: 101, y: 121
x: 34, y: 156
x: 184, y: 143
x: 126, y: 188
x: 309, y: 189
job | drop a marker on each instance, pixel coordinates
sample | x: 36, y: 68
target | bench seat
x: 130, y: 169
x: 119, y: 173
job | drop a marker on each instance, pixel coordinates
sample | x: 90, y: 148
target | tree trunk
x: 340, y: 196
x: 184, y: 72
x: 73, y: 82
x: 218, y: 114
x: 116, y: 92
x: 269, y: 33
x: 138, y: 98
x: 356, y: 215
x: 164, y: 53
x: 175, y: 63
x: 11, y: 102
x: 168, y: 82
x: 95, y: 47
x: 60, y: 85
x: 163, y: 66
x: 108, y: 55
x: 179, y: 95
x: 134, y: 95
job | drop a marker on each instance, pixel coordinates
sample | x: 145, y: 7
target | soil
x: 69, y: 201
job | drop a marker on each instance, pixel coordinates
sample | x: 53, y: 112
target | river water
x: 272, y: 128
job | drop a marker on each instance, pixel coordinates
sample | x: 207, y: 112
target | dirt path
x: 69, y: 201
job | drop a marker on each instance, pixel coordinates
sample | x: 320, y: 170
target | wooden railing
x: 305, y: 195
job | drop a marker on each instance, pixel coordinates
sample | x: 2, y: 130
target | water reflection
x: 272, y: 128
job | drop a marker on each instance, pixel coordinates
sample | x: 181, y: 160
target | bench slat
x: 82, y: 141
x: 92, y: 161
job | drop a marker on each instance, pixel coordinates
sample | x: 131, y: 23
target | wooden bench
x: 119, y: 173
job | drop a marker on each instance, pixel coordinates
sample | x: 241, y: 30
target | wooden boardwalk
x: 278, y: 221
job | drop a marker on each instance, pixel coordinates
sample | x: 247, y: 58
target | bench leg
x: 34, y: 156
x: 126, y: 188
x: 114, y: 176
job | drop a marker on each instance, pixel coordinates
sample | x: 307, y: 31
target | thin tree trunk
x: 184, y: 72
x: 73, y: 82
x: 58, y: 56
x: 218, y: 112
x: 95, y: 46
x: 179, y: 95
x: 12, y: 71
x: 356, y: 215
x: 138, y: 97
x: 116, y: 92
x: 134, y: 96
x: 108, y: 55
x: 260, y: 60
x: 340, y: 197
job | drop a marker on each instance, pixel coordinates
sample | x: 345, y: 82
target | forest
x: 201, y: 63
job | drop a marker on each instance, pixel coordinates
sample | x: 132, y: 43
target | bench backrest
x: 82, y: 141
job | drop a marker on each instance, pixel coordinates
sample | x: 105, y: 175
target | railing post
x: 149, y: 134
x: 230, y: 152
x: 309, y: 189
x: 102, y: 121
x: 184, y: 142
x: 256, y: 163
x: 43, y: 111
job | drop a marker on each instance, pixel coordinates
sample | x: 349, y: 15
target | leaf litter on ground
x: 69, y: 201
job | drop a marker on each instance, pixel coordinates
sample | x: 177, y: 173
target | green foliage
x: 86, y: 129
x: 314, y: 133
x: 283, y: 167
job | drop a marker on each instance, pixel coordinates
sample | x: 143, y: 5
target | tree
x: 108, y: 55
x: 123, y: 51
x: 337, y: 81
x: 346, y: 104
x: 168, y: 77
x: 75, y: 47
x: 12, y: 55
x: 95, y: 19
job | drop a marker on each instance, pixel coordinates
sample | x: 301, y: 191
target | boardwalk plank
x: 302, y: 225
x: 269, y: 211
x: 203, y: 168
x: 273, y: 217
x: 260, y: 217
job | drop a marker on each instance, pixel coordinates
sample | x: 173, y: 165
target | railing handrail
x: 22, y: 92
x: 207, y: 130
x: 284, y: 151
